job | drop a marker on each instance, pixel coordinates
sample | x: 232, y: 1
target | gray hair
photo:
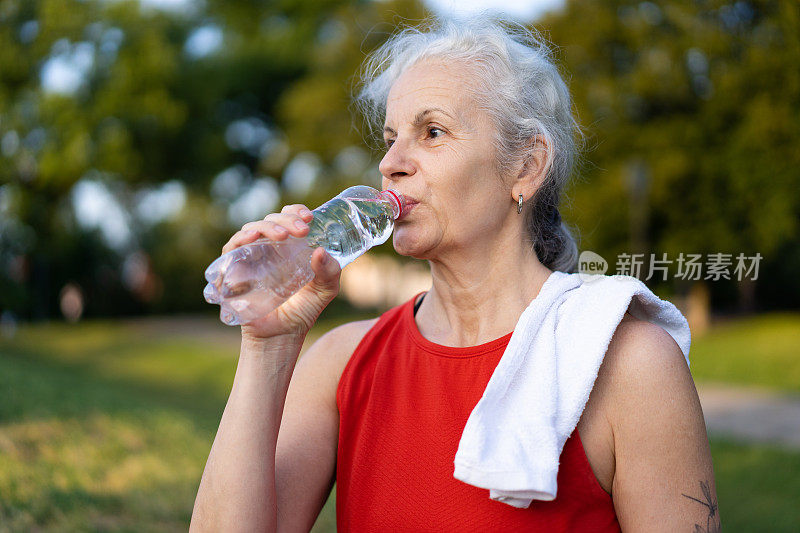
x: 520, y: 87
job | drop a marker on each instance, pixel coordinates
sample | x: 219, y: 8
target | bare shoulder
x: 331, y: 351
x: 345, y: 338
x: 643, y: 352
x: 643, y: 371
x: 642, y: 361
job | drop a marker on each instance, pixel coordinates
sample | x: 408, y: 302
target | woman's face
x: 441, y: 153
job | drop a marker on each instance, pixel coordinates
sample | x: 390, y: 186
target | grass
x: 757, y: 487
x: 759, y: 351
x: 106, y: 426
x: 110, y: 436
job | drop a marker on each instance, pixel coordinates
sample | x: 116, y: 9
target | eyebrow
x: 419, y: 118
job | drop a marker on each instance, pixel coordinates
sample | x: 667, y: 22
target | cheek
x: 475, y: 208
x: 474, y: 171
x: 470, y: 198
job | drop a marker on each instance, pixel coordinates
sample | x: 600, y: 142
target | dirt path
x: 751, y: 415
x: 207, y: 329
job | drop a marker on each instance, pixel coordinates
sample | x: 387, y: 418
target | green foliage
x: 702, y: 99
x: 146, y: 110
x: 692, y: 111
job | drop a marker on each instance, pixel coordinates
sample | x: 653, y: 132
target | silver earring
x: 519, y: 205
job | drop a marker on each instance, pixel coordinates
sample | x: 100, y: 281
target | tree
x: 700, y: 100
x: 132, y: 97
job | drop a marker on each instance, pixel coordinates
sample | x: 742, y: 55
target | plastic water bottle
x: 252, y: 280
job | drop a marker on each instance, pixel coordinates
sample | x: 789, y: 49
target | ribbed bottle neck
x: 396, y: 200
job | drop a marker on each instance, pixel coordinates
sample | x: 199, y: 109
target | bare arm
x: 664, y: 478
x: 237, y: 490
x: 305, y: 461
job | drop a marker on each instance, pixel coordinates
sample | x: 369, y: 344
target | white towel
x: 513, y: 438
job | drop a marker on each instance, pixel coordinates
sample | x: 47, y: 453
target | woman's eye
x: 432, y: 132
x: 389, y: 143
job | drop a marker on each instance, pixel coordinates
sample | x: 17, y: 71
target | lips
x: 409, y: 203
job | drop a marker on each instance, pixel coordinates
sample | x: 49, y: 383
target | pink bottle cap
x: 398, y: 198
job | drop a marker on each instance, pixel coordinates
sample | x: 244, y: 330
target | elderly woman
x: 480, y: 136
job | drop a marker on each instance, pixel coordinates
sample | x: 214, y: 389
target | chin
x: 407, y: 245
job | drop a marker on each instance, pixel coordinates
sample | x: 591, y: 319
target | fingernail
x: 305, y: 212
x: 299, y: 224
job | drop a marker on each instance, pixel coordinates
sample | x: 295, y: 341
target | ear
x: 534, y: 169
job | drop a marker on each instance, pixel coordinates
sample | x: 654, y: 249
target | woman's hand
x: 296, y: 316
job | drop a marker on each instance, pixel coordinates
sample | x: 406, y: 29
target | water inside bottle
x: 346, y: 227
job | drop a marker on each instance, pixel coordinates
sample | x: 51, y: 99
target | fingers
x: 240, y: 238
x: 298, y: 209
x: 292, y: 220
x: 326, y: 273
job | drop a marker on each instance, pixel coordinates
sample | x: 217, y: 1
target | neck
x: 479, y: 295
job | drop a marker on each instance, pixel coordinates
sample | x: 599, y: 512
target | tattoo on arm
x: 712, y: 521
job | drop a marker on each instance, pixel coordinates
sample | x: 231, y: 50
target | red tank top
x: 403, y: 403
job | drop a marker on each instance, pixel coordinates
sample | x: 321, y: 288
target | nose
x: 397, y: 162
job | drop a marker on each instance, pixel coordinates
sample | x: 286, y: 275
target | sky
x: 522, y: 10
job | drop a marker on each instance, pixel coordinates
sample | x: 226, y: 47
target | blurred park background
x: 137, y: 136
